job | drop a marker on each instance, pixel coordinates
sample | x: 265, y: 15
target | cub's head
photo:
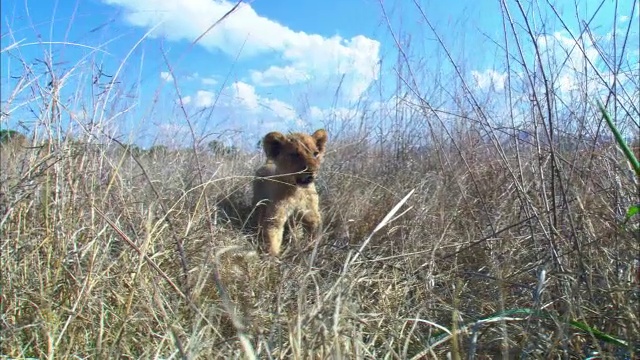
x: 297, y: 155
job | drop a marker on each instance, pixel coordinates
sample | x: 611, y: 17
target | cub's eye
x: 315, y: 154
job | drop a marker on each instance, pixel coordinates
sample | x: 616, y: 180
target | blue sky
x: 270, y: 65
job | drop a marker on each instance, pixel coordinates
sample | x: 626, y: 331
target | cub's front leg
x: 312, y: 223
x: 312, y: 219
x: 273, y: 222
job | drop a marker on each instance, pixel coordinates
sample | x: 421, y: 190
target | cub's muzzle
x: 304, y: 179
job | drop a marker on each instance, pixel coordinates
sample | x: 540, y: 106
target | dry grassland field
x: 458, y: 220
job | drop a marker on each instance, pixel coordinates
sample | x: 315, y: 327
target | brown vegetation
x: 512, y: 244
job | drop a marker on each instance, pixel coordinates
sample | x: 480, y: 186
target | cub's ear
x: 320, y: 136
x: 272, y: 144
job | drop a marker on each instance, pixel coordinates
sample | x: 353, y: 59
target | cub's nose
x: 305, y: 179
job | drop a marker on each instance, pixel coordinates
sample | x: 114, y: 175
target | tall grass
x: 456, y: 230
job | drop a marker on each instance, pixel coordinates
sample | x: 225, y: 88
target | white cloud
x: 576, y: 68
x: 242, y: 98
x: 567, y: 82
x: 353, y: 62
x: 576, y: 56
x: 245, y: 95
x: 489, y: 79
x: 316, y: 113
x: 166, y: 76
x: 340, y: 113
x: 192, y: 76
x: 186, y: 100
x: 208, y: 81
x: 204, y: 98
x: 280, y: 109
x: 567, y: 60
x: 624, y: 18
x: 276, y: 75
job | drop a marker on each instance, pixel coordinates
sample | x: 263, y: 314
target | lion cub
x: 284, y: 185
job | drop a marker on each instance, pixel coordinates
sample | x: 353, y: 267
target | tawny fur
x: 285, y: 185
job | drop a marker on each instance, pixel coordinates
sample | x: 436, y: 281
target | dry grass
x: 505, y: 247
x: 91, y: 267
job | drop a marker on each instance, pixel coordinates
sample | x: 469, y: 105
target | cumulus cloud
x: 340, y: 113
x: 208, y: 81
x: 577, y: 69
x: 569, y: 60
x: 204, y: 98
x: 353, y: 62
x: 242, y: 97
x: 489, y: 79
x: 276, y: 75
x: 166, y: 76
x: 192, y: 76
x: 562, y: 46
x: 280, y: 109
x: 245, y: 95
